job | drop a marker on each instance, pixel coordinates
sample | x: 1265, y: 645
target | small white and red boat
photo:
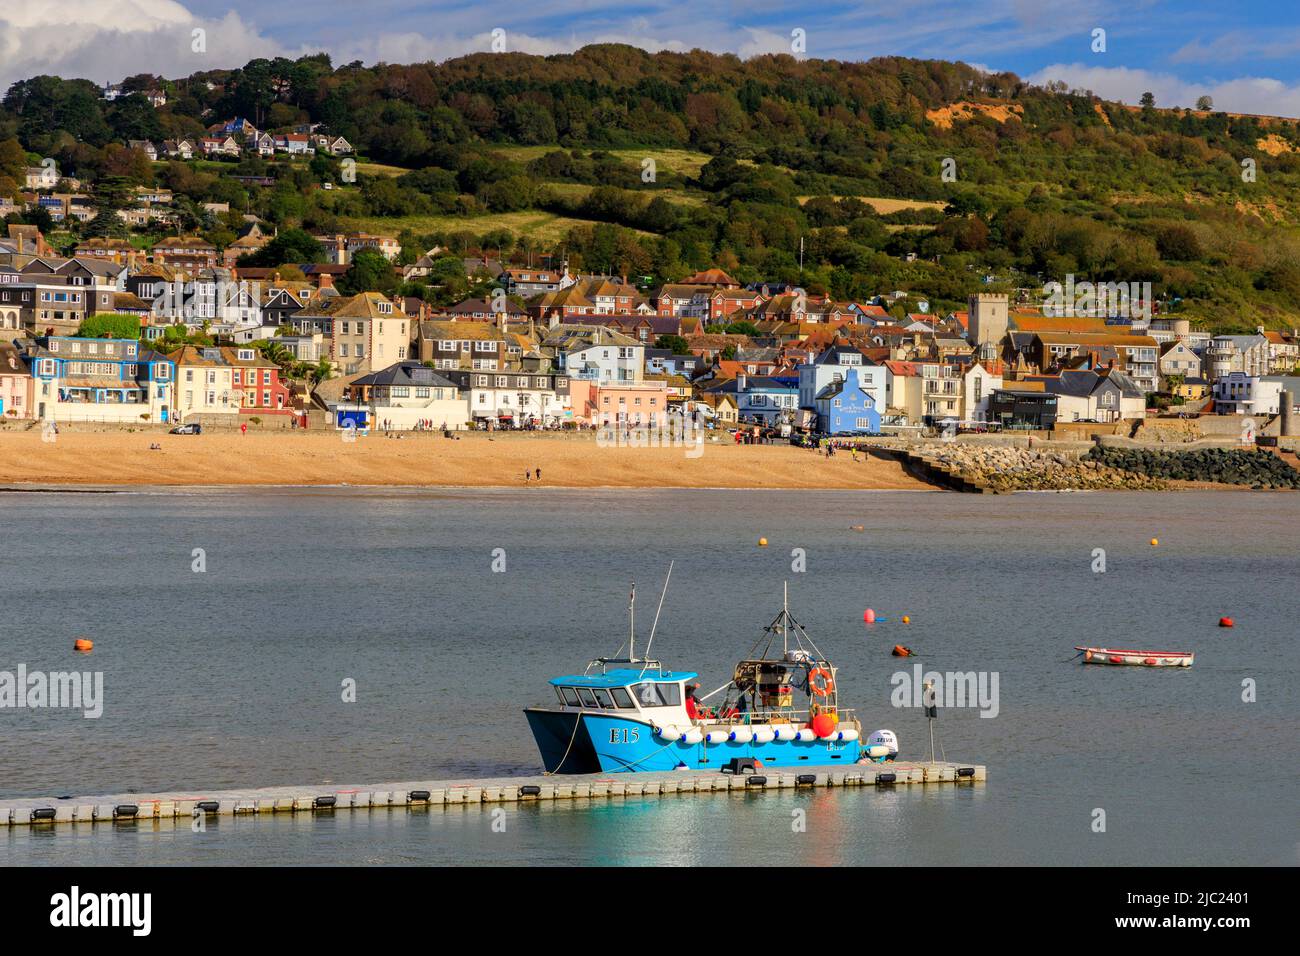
x: 1111, y: 655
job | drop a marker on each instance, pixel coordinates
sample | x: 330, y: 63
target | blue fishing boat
x: 631, y: 714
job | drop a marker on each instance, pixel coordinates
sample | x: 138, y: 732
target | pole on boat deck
x: 931, y: 711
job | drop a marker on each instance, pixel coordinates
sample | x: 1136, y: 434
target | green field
x: 535, y: 223
x: 683, y: 162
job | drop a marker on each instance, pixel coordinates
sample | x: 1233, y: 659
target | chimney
x: 741, y: 379
x: 324, y: 281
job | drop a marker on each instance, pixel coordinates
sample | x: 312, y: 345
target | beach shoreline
x: 476, y: 460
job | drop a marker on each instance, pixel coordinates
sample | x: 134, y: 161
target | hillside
x: 656, y: 165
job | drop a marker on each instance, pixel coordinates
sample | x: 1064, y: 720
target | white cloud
x: 105, y: 41
x: 1247, y: 94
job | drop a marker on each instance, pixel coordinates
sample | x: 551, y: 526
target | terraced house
x: 49, y: 303
x: 217, y: 381
x: 515, y: 398
x: 99, y: 380
x: 594, y: 352
x: 185, y: 253
x: 455, y: 344
x: 364, y: 331
x: 15, y: 384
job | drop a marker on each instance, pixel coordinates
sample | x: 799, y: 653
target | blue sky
x: 1245, y: 55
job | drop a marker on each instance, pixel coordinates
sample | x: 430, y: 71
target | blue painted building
x: 845, y: 407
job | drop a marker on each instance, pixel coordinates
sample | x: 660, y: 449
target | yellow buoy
x: 906, y: 619
x: 762, y: 542
x: 1154, y: 542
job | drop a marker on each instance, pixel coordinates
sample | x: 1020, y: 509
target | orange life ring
x: 827, y: 682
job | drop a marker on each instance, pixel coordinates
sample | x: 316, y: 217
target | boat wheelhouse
x: 632, y: 714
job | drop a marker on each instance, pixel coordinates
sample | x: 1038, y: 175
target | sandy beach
x: 476, y: 460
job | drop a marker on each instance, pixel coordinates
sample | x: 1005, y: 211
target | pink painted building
x: 15, y: 384
x: 619, y: 403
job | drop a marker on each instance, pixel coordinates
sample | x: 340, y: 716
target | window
x: 570, y: 696
x: 587, y: 697
x: 651, y: 694
x: 622, y: 698
x: 603, y: 698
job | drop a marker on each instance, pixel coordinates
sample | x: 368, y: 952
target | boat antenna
x: 631, y: 624
x: 662, y: 594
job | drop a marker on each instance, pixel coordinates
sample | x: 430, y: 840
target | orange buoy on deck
x: 1225, y: 622
x: 83, y: 644
x: 901, y: 651
x: 823, y: 725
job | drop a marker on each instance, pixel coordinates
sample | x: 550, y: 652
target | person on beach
x: 539, y: 474
x: 527, y: 475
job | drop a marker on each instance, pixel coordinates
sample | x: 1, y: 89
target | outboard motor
x: 882, y: 745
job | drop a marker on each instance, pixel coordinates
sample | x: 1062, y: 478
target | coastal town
x: 189, y: 320
x: 182, y: 337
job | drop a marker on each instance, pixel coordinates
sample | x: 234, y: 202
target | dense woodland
x: 1061, y: 182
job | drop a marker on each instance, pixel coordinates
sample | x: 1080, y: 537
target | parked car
x: 193, y: 428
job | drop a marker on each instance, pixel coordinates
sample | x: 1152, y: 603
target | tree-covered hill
x: 661, y: 164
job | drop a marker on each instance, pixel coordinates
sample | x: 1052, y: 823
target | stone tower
x: 988, y: 321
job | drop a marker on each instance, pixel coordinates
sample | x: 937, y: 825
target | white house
x: 1240, y: 394
x: 411, y: 395
x: 597, y: 353
x: 978, y: 384
x: 514, y: 397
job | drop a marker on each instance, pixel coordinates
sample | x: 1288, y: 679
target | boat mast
x: 785, y: 618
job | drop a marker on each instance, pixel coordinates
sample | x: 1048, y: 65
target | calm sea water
x: 232, y: 677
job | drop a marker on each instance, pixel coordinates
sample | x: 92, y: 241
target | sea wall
x: 1257, y: 469
x: 1005, y: 468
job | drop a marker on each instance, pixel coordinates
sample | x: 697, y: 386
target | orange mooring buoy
x: 1225, y: 622
x: 83, y: 644
x: 901, y: 651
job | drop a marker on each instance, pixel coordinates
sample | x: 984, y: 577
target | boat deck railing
x: 783, y: 716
